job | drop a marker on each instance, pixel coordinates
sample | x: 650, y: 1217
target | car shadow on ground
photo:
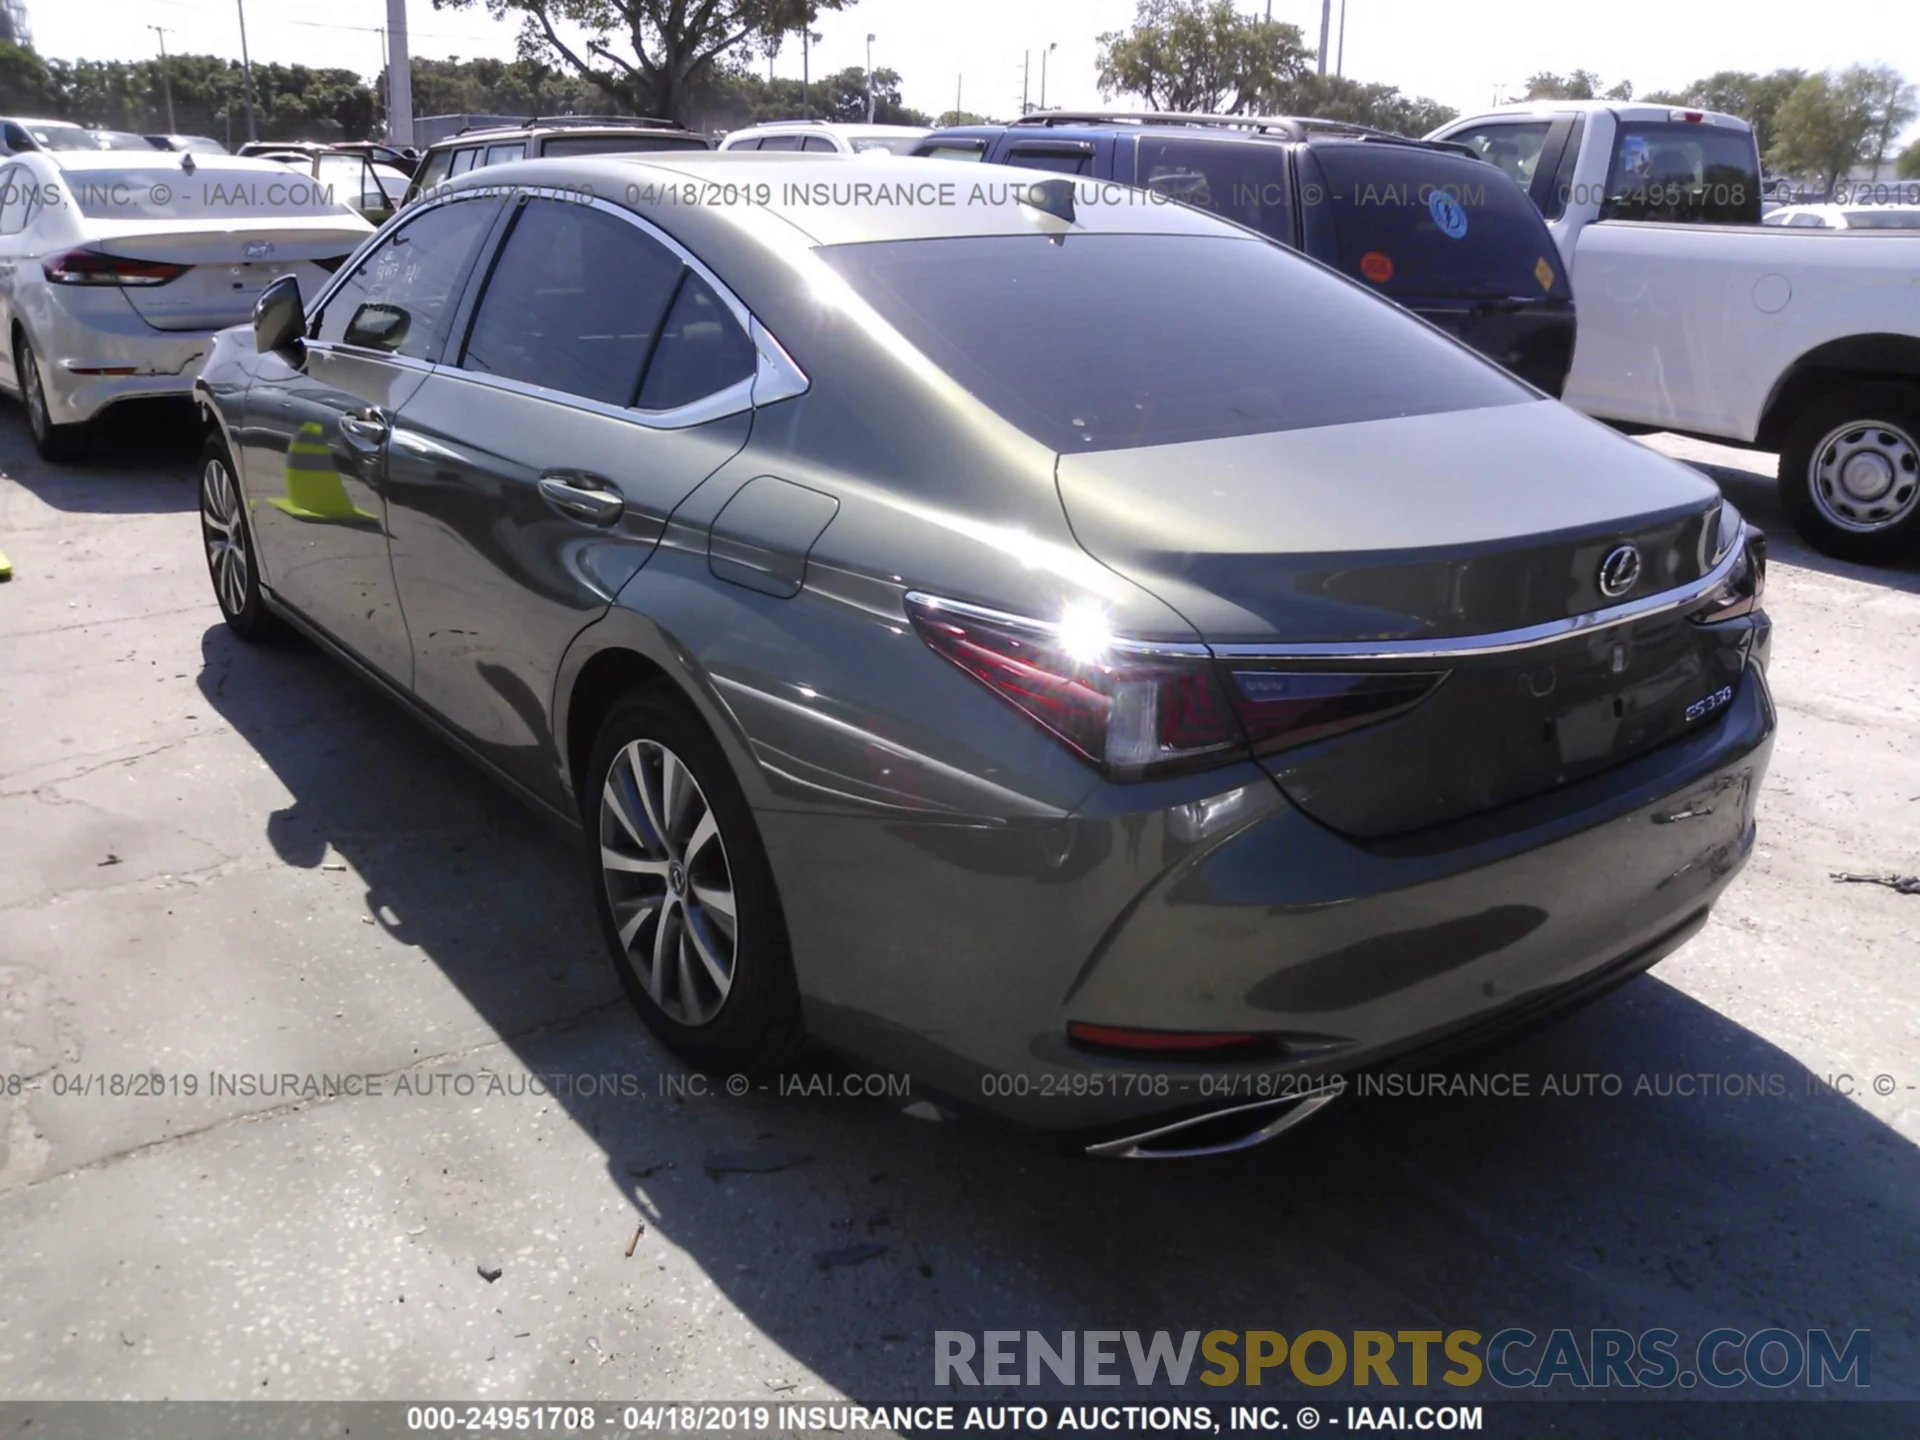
x: 139, y: 459
x: 848, y: 1233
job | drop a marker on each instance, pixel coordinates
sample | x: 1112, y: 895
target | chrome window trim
x: 775, y: 376
x: 1464, y: 647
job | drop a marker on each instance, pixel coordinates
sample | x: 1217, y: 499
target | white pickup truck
x: 1693, y: 317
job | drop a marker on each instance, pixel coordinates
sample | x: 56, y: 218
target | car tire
x: 1850, y: 472
x: 227, y: 538
x: 54, y: 442
x: 672, y: 847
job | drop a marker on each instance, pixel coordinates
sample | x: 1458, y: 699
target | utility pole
x: 1326, y: 25
x: 399, y: 77
x: 869, y: 79
x: 806, y: 74
x: 246, y: 68
x: 1026, y: 69
x: 166, y: 77
x: 1051, y: 47
x: 1340, y: 52
x: 956, y: 98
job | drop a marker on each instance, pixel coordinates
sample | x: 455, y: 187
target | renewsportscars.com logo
x: 1514, y: 1358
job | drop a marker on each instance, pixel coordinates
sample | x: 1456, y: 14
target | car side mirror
x: 279, y: 319
x: 378, y: 327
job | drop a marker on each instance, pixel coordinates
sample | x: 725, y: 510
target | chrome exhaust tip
x: 1165, y: 1142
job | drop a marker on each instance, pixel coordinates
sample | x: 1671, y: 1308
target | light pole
x: 1340, y: 50
x: 1026, y: 69
x: 166, y: 78
x: 1052, y: 45
x: 806, y: 74
x: 1326, y: 25
x: 869, y: 79
x: 246, y: 69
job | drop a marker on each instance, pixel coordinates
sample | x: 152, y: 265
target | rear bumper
x: 1244, y: 915
x: 93, y: 331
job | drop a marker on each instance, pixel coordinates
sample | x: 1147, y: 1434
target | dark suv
x: 564, y: 135
x: 1424, y: 223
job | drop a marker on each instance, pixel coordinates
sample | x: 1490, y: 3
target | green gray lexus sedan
x: 1020, y: 633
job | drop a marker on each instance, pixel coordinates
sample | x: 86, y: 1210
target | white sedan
x: 1845, y: 217
x: 117, y: 269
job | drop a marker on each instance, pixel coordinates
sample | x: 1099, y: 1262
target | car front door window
x: 417, y: 273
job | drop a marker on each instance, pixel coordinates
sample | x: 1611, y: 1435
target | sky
x: 1462, y: 53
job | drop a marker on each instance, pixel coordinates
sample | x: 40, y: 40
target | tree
x: 1907, y: 167
x: 500, y: 87
x: 26, y: 86
x: 651, y: 56
x: 1200, y: 55
x: 1754, y: 98
x: 1580, y: 85
x: 1891, y: 101
x: 959, y: 117
x: 1336, y: 97
x: 1822, y: 129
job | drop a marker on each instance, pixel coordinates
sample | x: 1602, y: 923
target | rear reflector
x: 90, y: 267
x: 1119, y: 1037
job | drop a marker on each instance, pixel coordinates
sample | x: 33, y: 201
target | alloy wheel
x: 222, y: 529
x: 664, y: 863
x: 1865, y: 475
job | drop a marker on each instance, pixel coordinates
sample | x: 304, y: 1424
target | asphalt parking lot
x: 218, y: 860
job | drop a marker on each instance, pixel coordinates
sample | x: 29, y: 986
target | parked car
x: 19, y: 135
x: 122, y: 140
x: 477, y: 149
x: 116, y: 269
x: 1451, y: 239
x: 1228, y: 687
x: 1695, y: 317
x: 253, y: 149
x: 1845, y: 217
x: 405, y: 159
x: 198, y: 144
x: 826, y: 137
x: 373, y: 191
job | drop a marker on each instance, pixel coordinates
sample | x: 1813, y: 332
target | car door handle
x: 581, y: 496
x: 369, y: 426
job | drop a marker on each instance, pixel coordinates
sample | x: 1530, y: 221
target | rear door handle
x: 368, y: 425
x: 582, y: 496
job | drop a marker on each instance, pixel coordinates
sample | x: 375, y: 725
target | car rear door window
x: 463, y: 161
x: 1243, y: 181
x: 573, y: 302
x: 1510, y: 146
x: 818, y: 144
x: 500, y: 154
x: 1416, y: 223
x: 419, y: 270
x: 1690, y: 173
x: 702, y: 350
x: 1105, y: 342
x: 1060, y: 158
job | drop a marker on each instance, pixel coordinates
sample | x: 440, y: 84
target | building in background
x: 13, y: 24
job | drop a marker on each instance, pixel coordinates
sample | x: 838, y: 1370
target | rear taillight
x: 90, y: 267
x: 1745, y: 586
x: 1140, y: 710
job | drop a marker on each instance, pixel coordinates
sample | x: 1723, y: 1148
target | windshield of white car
x: 208, y: 192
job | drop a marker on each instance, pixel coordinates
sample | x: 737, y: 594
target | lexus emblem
x: 1620, y: 571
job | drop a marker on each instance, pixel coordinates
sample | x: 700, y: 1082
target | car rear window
x: 1691, y: 173
x: 1106, y: 342
x: 260, y: 192
x: 1416, y: 224
x: 1883, y: 219
x: 616, y: 144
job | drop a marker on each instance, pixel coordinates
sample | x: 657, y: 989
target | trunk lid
x: 229, y: 267
x: 1370, y: 547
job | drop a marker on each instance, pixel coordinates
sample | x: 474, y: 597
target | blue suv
x: 1424, y: 223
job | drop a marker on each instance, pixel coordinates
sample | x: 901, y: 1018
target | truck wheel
x: 1850, y: 472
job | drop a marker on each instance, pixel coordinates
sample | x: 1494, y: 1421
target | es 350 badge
x: 1700, y: 708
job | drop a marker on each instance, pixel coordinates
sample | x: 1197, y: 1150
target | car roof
x: 1624, y: 109
x: 832, y: 127
x: 1294, y: 128
x: 160, y: 160
x: 792, y: 200
x: 559, y: 127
